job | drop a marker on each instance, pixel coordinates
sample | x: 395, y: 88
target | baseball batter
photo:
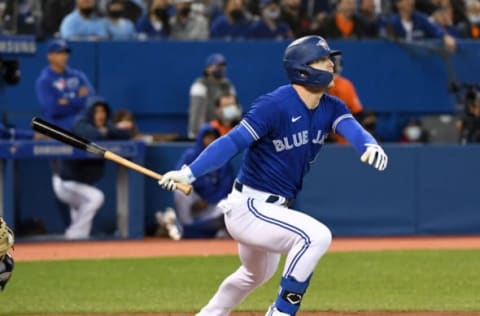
x: 282, y: 134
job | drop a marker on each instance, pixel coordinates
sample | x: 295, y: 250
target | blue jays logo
x: 60, y: 84
x: 297, y: 140
x: 323, y: 44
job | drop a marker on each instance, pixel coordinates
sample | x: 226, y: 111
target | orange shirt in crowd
x: 475, y: 31
x: 222, y: 129
x: 345, y: 91
x: 344, y: 25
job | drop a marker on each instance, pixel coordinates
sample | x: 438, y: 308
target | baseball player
x: 282, y: 133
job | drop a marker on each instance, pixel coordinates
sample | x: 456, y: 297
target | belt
x: 271, y: 198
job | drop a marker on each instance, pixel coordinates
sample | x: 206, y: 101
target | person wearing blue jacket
x: 197, y: 213
x: 411, y: 25
x: 61, y: 91
x: 76, y: 179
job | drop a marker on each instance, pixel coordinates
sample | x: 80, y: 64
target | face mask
x: 115, y: 14
x: 272, y: 14
x: 474, y: 19
x: 413, y: 133
x: 86, y: 11
x: 161, y: 13
x: 185, y: 11
x: 231, y: 112
x: 218, y: 73
x: 237, y: 15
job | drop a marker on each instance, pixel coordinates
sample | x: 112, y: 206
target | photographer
x: 469, y: 123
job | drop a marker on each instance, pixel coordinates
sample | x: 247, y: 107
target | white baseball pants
x: 84, y: 201
x: 264, y: 231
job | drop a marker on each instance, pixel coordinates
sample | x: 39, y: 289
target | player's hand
x: 375, y: 156
x: 170, y: 179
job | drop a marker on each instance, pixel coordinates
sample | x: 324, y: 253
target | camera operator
x: 469, y: 123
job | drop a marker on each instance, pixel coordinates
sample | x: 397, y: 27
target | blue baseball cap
x: 264, y: 3
x: 215, y: 59
x: 58, y: 45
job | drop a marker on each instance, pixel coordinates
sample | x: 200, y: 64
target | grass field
x: 353, y: 281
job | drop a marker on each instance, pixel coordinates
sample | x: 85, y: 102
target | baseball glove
x: 6, y: 238
x: 6, y: 260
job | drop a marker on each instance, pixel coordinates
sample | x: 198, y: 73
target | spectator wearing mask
x: 233, y: 23
x: 471, y: 27
x: 187, y: 24
x: 414, y: 133
x: 443, y: 17
x: 270, y: 25
x: 83, y: 23
x: 118, y: 27
x: 134, y: 9
x: 228, y: 112
x: 75, y: 182
x: 156, y: 23
x: 344, y: 22
x: 373, y: 22
x: 411, y: 25
x: 296, y: 17
x: 204, y: 92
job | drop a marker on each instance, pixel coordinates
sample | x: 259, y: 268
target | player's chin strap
x: 291, y: 294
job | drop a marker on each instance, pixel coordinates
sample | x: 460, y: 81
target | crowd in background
x: 240, y: 19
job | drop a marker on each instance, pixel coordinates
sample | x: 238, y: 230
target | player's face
x: 58, y: 59
x: 100, y: 116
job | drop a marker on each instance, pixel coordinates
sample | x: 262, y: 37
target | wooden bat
x: 71, y: 139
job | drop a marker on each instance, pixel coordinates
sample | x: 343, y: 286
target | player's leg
x: 281, y: 230
x: 257, y: 267
x: 86, y: 199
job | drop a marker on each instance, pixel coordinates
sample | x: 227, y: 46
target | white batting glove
x: 375, y: 156
x: 170, y: 179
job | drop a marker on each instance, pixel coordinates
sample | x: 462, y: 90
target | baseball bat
x: 71, y: 139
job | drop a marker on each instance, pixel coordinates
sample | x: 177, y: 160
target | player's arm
x: 213, y: 157
x: 362, y: 141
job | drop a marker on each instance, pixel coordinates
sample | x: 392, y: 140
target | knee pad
x: 291, y: 294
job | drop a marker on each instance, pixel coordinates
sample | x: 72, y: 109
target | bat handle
x: 185, y: 188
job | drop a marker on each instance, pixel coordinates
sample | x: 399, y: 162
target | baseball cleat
x: 273, y: 311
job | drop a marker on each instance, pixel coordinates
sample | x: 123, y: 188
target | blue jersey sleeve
x: 257, y: 120
x: 355, y: 134
x: 221, y: 151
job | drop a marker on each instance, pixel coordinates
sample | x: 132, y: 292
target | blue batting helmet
x: 298, y: 56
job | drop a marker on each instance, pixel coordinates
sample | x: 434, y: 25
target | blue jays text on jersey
x: 288, y: 137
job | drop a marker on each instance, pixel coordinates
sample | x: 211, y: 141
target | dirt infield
x: 304, y: 314
x: 164, y: 247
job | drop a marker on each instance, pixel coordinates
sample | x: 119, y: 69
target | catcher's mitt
x: 6, y: 261
x: 6, y: 238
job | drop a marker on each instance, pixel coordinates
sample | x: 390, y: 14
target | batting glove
x: 170, y: 179
x: 375, y: 156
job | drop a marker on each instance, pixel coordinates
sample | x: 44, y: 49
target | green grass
x: 391, y: 280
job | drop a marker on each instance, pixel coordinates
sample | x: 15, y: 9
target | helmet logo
x: 323, y: 43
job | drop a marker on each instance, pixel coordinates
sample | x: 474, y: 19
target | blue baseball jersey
x: 288, y: 137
